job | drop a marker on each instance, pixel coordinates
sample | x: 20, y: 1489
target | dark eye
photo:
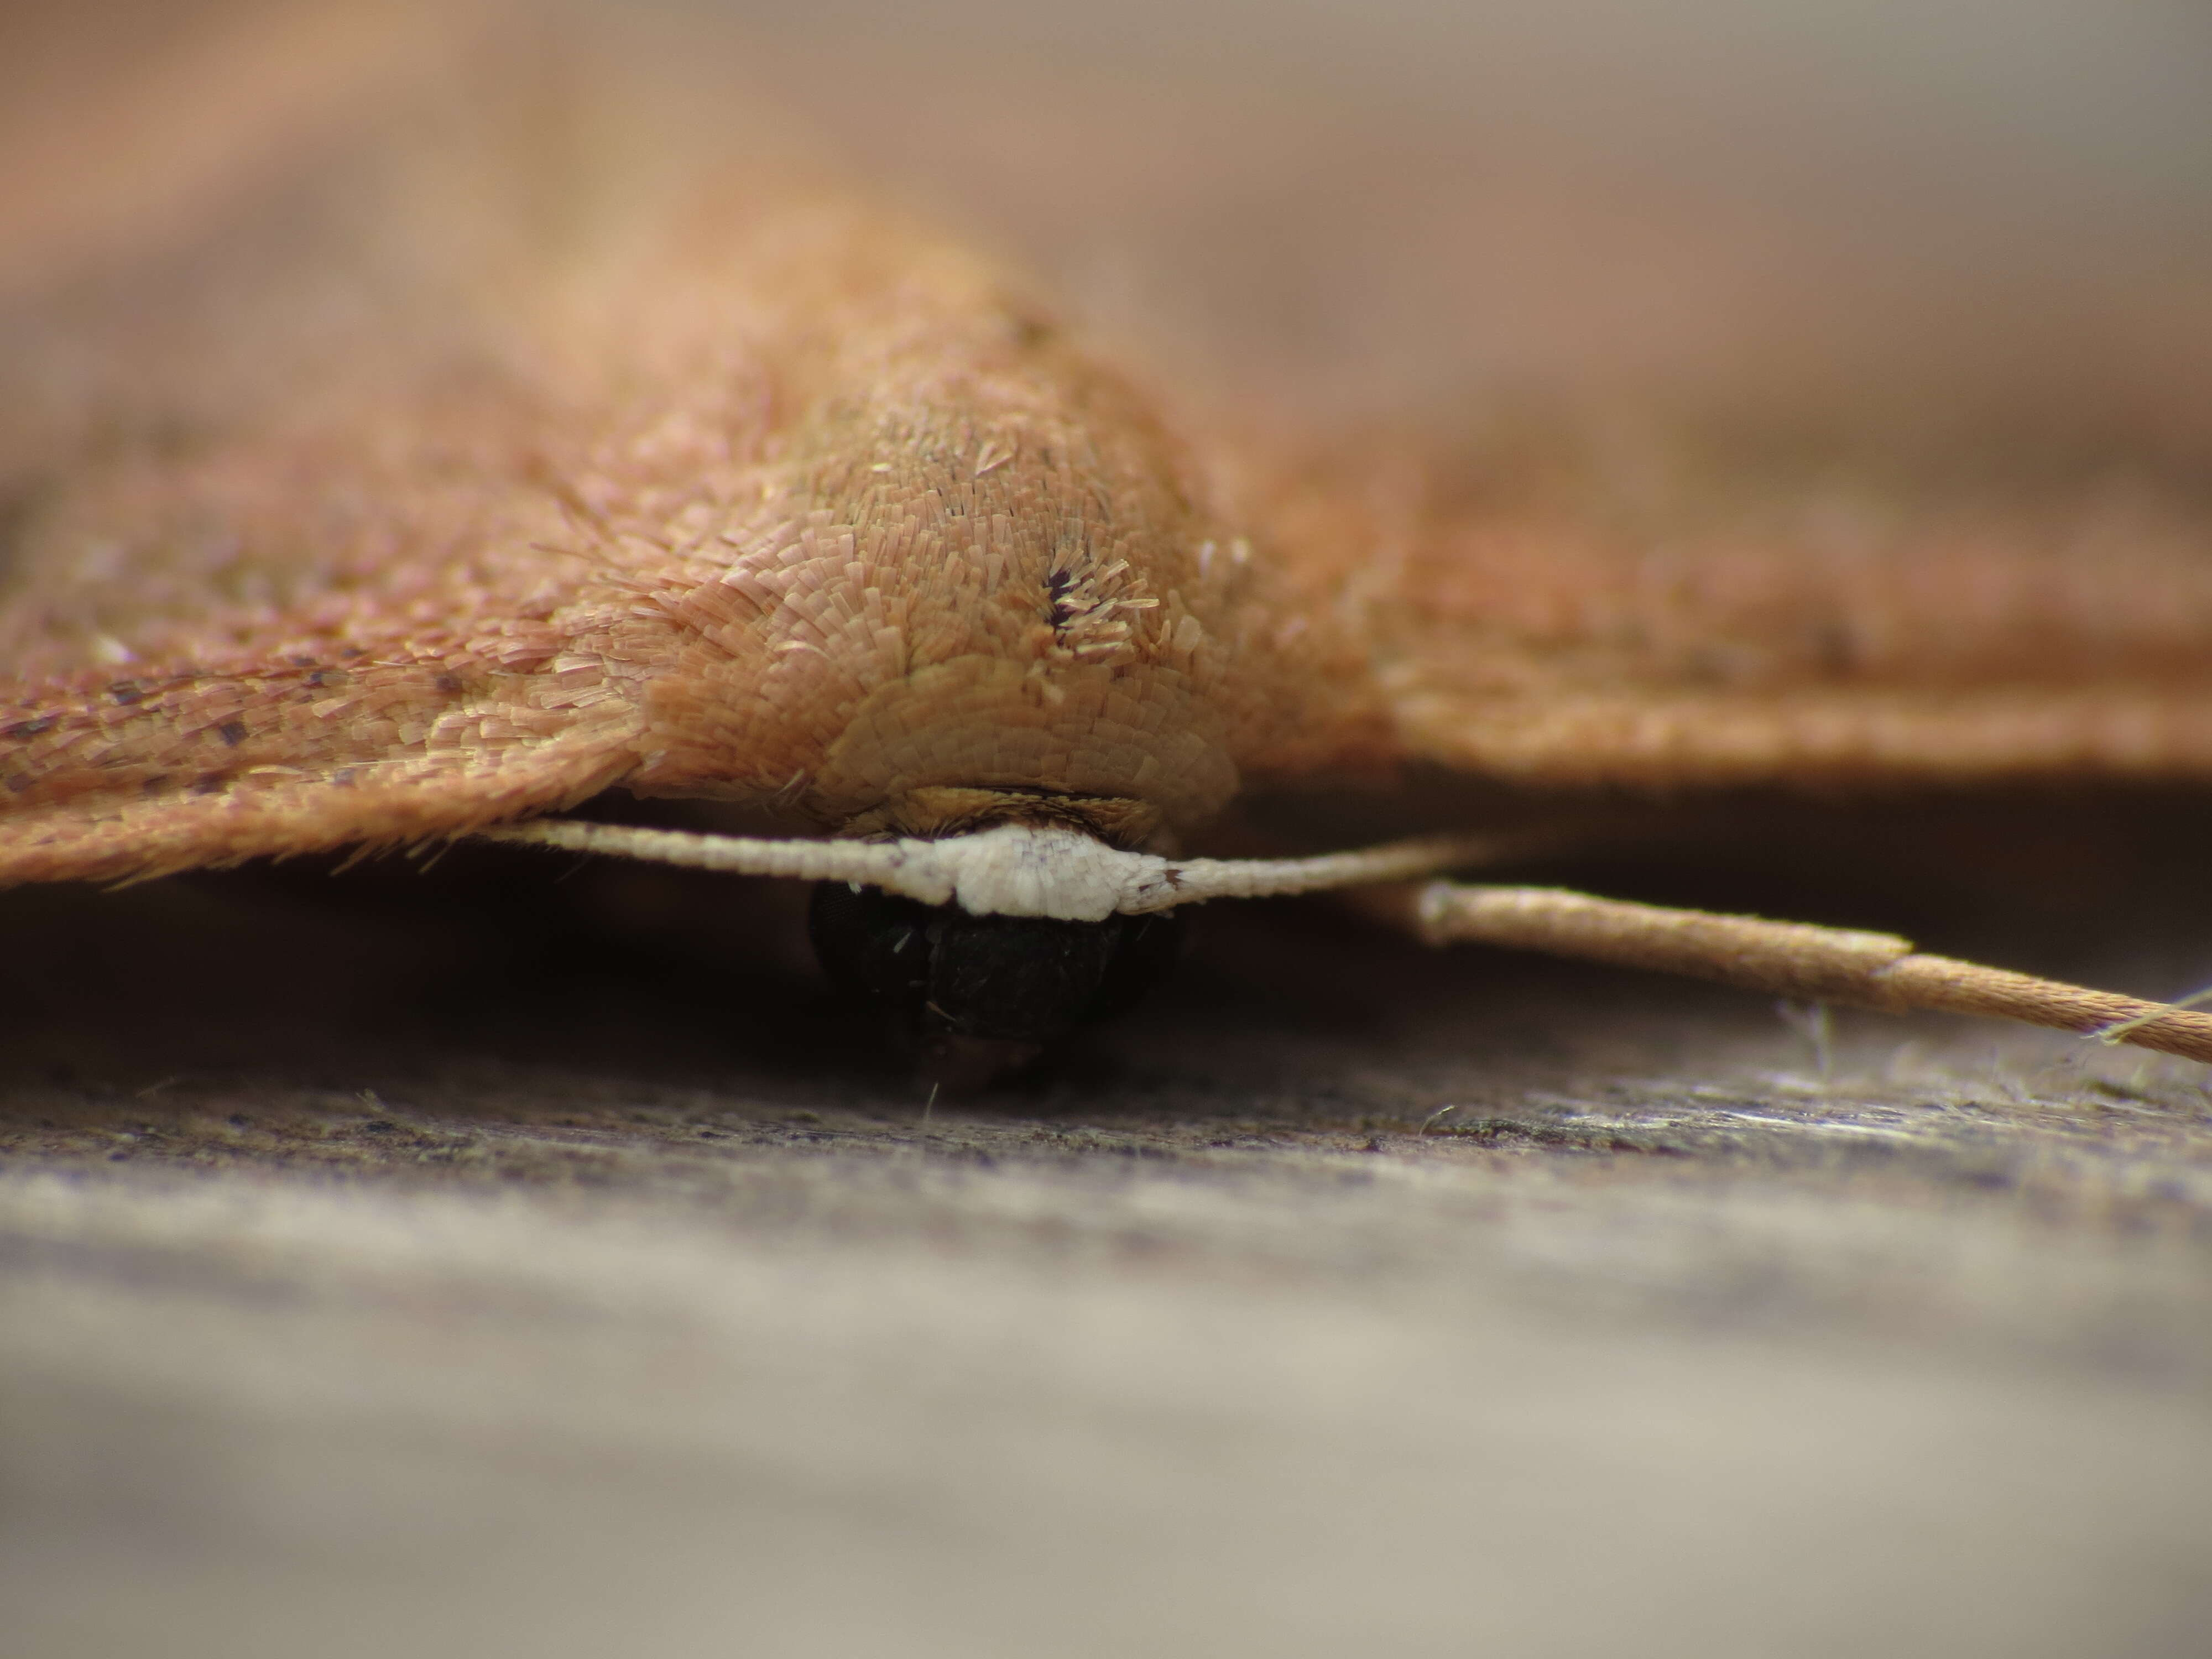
x: 1020, y: 980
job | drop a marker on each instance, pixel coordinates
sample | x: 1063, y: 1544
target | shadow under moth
x: 416, y: 431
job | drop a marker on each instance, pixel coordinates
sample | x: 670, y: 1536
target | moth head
x: 981, y: 984
x: 976, y: 995
x: 985, y: 944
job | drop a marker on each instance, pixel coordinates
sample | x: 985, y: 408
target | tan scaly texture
x: 485, y: 423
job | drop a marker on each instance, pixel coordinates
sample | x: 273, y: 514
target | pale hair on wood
x: 449, y: 441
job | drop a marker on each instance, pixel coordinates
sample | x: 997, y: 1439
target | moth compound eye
x: 941, y: 973
x: 874, y: 946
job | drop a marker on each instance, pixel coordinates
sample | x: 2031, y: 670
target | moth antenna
x: 1198, y: 880
x: 1789, y: 959
x: 1024, y: 869
x: 889, y: 865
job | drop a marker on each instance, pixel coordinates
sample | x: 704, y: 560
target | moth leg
x: 1791, y: 959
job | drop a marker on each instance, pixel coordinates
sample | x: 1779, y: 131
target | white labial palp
x: 1015, y: 869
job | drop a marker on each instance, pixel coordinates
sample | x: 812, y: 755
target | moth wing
x: 363, y: 581
x: 316, y: 510
x: 1723, y: 632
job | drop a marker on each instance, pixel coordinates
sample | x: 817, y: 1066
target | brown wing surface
x: 270, y: 443
x: 485, y: 434
x: 451, y: 421
x: 1695, y: 624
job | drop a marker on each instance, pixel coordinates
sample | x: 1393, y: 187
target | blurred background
x: 2002, y: 207
x: 1408, y: 199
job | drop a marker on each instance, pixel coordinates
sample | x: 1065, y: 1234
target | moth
x: 450, y: 435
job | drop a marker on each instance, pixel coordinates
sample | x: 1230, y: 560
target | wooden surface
x: 460, y: 1275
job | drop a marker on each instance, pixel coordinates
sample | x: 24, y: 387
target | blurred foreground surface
x: 442, y: 1287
